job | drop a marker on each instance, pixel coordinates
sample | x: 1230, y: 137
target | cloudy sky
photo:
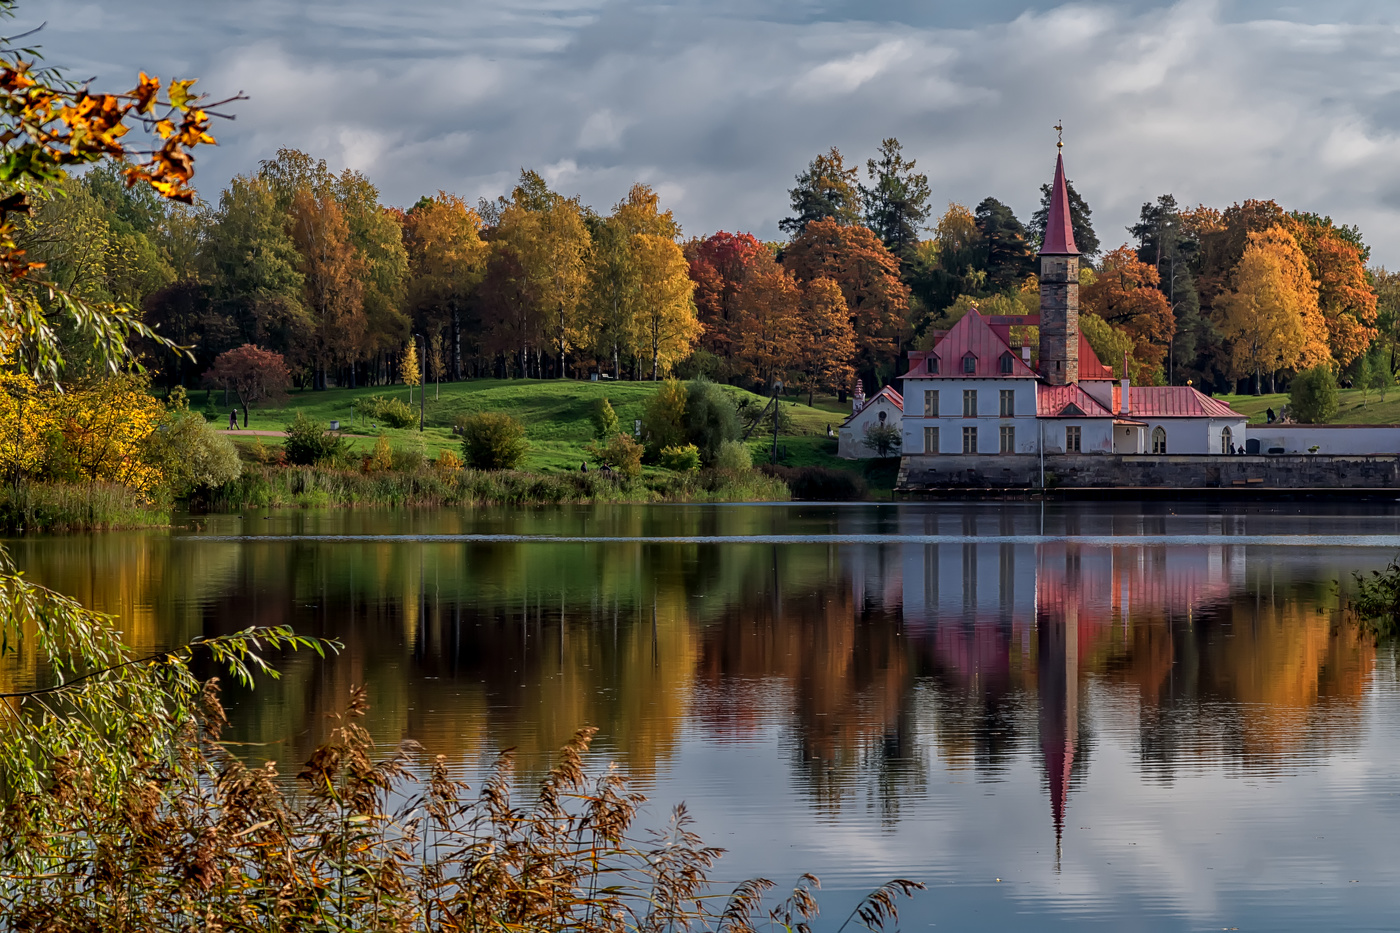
x: 719, y: 103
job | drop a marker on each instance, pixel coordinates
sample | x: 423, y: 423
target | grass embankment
x: 1352, y: 406
x: 57, y: 507
x: 556, y: 415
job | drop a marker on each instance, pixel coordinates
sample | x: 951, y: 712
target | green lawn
x: 1352, y: 407
x: 555, y: 414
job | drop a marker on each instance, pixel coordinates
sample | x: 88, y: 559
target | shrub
x: 492, y: 441
x: 710, y: 418
x: 382, y: 457
x: 621, y: 453
x: 883, y: 438
x: 734, y: 456
x: 307, y: 442
x: 192, y: 454
x: 663, y: 422
x: 604, y: 420
x: 448, y: 462
x: 819, y: 483
x: 1312, y: 398
x: 681, y: 459
x: 410, y: 459
x: 394, y: 412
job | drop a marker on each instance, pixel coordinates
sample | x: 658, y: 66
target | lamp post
x: 777, y: 388
x: 422, y: 383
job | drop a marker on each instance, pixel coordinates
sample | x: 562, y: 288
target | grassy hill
x: 1352, y: 407
x: 555, y: 414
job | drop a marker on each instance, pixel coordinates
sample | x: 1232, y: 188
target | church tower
x: 1059, y: 289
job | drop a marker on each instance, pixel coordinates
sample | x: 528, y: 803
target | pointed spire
x: 1059, y: 231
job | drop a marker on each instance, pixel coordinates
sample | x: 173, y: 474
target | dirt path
x: 247, y: 432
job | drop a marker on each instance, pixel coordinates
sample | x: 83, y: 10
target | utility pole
x: 777, y: 387
x: 422, y: 383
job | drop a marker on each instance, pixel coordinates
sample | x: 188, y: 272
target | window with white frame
x: 969, y: 440
x: 930, y: 440
x: 1008, y: 403
x: 930, y: 403
x: 969, y: 403
x: 1073, y: 440
x: 1159, y: 440
x: 1008, y: 439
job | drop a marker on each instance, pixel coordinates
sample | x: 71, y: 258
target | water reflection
x: 968, y: 643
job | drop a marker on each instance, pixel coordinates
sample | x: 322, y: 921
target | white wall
x: 1328, y: 438
x: 1095, y: 435
x: 1192, y: 435
x: 988, y: 421
x: 851, y: 438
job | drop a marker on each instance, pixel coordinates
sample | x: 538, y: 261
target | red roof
x: 1059, y: 230
x: 1172, y: 402
x: 887, y: 392
x: 970, y: 335
x: 1056, y: 402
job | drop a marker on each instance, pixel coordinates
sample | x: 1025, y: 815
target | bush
x: 1312, y: 398
x: 492, y: 441
x: 734, y: 456
x: 710, y: 418
x: 308, y: 443
x: 410, y: 459
x: 883, y: 438
x: 448, y: 462
x: 382, y: 458
x: 604, y: 420
x: 192, y: 454
x: 819, y: 483
x: 663, y: 422
x: 622, y: 454
x: 681, y: 459
x: 394, y: 412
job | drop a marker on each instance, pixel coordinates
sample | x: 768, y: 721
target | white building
x: 886, y: 407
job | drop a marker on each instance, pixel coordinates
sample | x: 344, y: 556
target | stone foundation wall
x: 1196, y: 471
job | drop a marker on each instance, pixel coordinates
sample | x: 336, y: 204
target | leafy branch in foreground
x: 1377, y: 602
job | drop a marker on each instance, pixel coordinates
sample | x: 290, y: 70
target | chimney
x: 1125, y: 407
x: 1026, y: 353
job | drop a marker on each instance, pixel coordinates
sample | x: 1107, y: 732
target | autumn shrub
x: 382, y: 457
x: 604, y: 420
x: 734, y: 456
x: 447, y: 462
x: 684, y: 459
x: 492, y: 441
x: 621, y: 453
x: 191, y: 454
x: 663, y: 420
x: 710, y: 418
x: 1312, y: 397
x: 394, y: 412
x: 308, y: 442
x: 411, y: 457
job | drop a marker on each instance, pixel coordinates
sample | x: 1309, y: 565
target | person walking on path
x: 233, y: 420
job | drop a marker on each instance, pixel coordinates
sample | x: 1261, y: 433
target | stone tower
x: 1059, y: 289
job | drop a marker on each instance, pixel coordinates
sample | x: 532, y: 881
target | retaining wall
x: 1193, y: 471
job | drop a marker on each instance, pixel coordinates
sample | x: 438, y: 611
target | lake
x: 1147, y: 716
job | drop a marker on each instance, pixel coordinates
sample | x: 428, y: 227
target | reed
x: 61, y: 507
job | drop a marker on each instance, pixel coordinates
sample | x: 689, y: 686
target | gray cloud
x: 719, y: 105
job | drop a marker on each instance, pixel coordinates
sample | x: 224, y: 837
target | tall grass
x: 263, y: 486
x: 58, y: 507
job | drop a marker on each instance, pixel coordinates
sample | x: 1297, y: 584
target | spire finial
x: 1060, y: 134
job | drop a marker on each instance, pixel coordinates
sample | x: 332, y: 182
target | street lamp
x: 777, y: 388
x: 422, y: 382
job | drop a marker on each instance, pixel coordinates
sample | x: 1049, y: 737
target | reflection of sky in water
x: 864, y: 692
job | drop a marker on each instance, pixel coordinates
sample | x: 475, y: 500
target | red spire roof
x: 1059, y: 231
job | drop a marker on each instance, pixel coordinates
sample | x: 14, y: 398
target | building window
x: 969, y: 403
x: 1008, y: 439
x: 1159, y: 440
x: 1226, y: 436
x: 1073, y: 444
x: 931, y: 403
x: 1008, y: 402
x: 930, y: 440
x: 1007, y: 361
x: 969, y: 364
x: 932, y: 364
x: 969, y: 440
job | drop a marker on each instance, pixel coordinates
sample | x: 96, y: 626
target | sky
x: 718, y: 104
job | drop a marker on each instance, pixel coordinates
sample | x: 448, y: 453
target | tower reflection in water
x: 995, y: 615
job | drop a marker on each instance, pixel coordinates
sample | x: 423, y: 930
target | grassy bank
x: 52, y: 507
x: 315, y: 487
x: 1352, y: 406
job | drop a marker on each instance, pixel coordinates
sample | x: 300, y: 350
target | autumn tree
x: 1080, y: 217
x: 825, y: 343
x: 409, y: 370
x: 665, y: 318
x: 1125, y: 294
x: 1345, y: 296
x: 868, y: 276
x: 1165, y: 242
x: 331, y: 269
x: 896, y: 203
x: 553, y: 244
x: 1270, y: 312
x: 447, y: 260
x: 252, y: 374
x: 718, y: 265
x: 769, y: 323
x: 827, y: 190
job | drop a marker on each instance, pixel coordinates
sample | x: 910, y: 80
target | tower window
x: 969, y: 364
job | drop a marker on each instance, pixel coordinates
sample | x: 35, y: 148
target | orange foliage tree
x: 332, y: 269
x: 1345, y: 297
x: 868, y: 276
x: 1125, y: 294
x: 769, y: 321
x: 826, y: 345
x: 717, y: 267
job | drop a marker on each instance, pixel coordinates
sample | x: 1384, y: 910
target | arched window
x: 1007, y: 361
x: 969, y: 364
x: 882, y: 417
x: 932, y: 364
x: 1226, y: 436
x: 1159, y: 440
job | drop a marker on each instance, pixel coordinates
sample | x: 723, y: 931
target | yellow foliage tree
x: 102, y: 430
x: 665, y: 319
x: 1270, y: 314
x: 408, y: 368
x: 826, y: 345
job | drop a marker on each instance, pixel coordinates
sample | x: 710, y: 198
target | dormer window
x: 1007, y: 362
x: 969, y: 364
x: 932, y: 364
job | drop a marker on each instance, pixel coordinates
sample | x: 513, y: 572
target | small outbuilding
x: 884, y: 407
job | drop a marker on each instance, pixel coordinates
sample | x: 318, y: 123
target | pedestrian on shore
x: 233, y: 420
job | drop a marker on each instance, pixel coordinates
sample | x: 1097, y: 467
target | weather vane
x: 1060, y: 133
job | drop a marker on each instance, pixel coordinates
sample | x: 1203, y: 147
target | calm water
x: 1136, y: 717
